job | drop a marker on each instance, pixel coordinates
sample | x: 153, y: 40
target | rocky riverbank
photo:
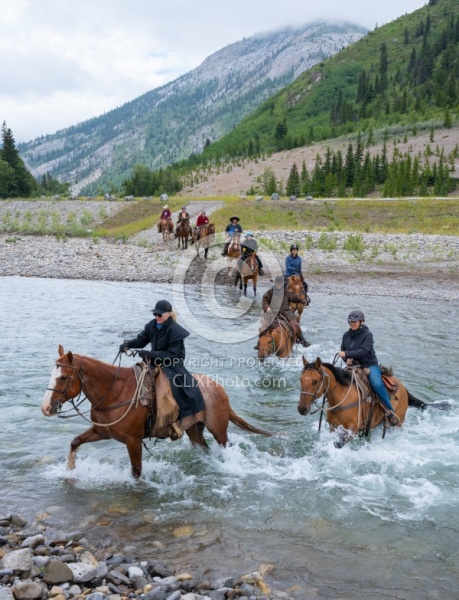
x: 34, y: 566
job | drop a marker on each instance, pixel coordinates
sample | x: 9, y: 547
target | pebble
x: 27, y: 576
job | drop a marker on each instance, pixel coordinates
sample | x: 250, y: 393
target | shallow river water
x: 377, y: 519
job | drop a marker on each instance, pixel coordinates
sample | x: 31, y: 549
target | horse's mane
x: 342, y: 376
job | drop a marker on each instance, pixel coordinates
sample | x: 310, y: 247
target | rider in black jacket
x: 357, y: 349
x: 168, y: 351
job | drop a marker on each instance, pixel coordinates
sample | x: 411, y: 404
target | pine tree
x: 293, y: 182
x: 24, y: 184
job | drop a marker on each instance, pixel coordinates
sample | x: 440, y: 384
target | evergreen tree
x: 293, y: 182
x: 24, y: 184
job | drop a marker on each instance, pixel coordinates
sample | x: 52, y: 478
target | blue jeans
x: 378, y: 386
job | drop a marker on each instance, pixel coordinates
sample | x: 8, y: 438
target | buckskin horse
x: 234, y: 249
x: 346, y: 409
x: 276, y: 338
x: 205, y: 238
x: 295, y: 285
x: 183, y: 232
x: 166, y: 227
x: 111, y: 390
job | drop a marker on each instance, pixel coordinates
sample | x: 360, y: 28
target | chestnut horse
x: 166, y: 227
x: 183, y: 232
x: 206, y: 238
x: 234, y: 249
x: 115, y: 414
x: 248, y: 270
x: 276, y: 338
x: 346, y: 408
x: 295, y: 285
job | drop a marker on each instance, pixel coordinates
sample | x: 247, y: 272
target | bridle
x: 324, y: 377
x: 63, y: 393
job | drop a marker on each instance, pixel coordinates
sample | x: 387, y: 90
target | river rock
x: 18, y: 560
x: 82, y: 572
x: 6, y: 593
x: 134, y: 572
x: 29, y: 590
x: 58, y: 572
x: 33, y: 541
x: 96, y: 596
x: 40, y: 561
x: 74, y: 590
x: 18, y: 521
x: 156, y: 594
x: 192, y: 596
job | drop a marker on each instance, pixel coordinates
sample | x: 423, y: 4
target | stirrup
x: 392, y: 419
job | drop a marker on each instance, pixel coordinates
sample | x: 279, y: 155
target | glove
x: 144, y: 353
x: 124, y: 346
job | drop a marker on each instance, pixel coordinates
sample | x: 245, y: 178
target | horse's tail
x: 239, y: 422
x: 416, y: 403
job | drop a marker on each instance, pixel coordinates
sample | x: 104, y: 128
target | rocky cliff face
x: 169, y: 123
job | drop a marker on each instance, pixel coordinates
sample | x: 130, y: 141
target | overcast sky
x: 64, y: 61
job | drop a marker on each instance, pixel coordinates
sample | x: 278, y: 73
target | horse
x: 247, y: 270
x: 114, y: 414
x: 346, y: 409
x: 234, y: 249
x: 205, y: 239
x: 276, y: 338
x: 295, y: 285
x: 166, y: 227
x: 183, y: 232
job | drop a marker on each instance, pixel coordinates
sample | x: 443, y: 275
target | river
x: 376, y: 519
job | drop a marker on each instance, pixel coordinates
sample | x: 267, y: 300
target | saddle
x: 363, y: 384
x: 163, y: 409
x: 280, y: 320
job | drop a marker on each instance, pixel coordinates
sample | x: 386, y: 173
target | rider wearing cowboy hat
x: 232, y: 228
x: 277, y: 300
x: 166, y: 214
x: 249, y: 244
x: 357, y: 349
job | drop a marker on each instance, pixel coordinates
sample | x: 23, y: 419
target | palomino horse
x: 205, y: 239
x: 183, y: 232
x: 166, y: 227
x: 276, y: 338
x: 346, y: 408
x: 234, y: 249
x: 295, y: 285
x: 115, y: 415
x: 247, y: 270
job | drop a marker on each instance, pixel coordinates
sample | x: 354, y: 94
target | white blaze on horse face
x: 46, y: 404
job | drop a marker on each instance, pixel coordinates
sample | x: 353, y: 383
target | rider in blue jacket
x: 293, y: 266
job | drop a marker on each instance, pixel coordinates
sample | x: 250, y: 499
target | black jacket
x: 168, y: 351
x: 358, y: 345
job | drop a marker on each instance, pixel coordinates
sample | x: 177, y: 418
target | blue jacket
x: 232, y: 228
x: 292, y: 265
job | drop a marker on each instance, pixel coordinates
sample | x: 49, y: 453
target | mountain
x: 399, y: 78
x: 169, y: 123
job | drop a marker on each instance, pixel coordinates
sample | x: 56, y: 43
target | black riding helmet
x: 162, y: 306
x: 356, y: 315
x: 294, y: 247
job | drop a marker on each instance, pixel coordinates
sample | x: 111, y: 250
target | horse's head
x: 210, y: 229
x: 295, y: 284
x: 314, y: 383
x: 64, y: 383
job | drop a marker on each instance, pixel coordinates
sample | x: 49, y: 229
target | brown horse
x: 205, y: 239
x: 247, y: 270
x: 183, y: 232
x: 295, y: 285
x: 234, y: 249
x: 276, y: 338
x: 115, y: 415
x: 346, y: 406
x: 166, y: 227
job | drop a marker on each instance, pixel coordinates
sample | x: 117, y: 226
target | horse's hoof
x: 339, y: 444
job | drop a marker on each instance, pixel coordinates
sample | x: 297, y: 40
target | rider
x: 167, y: 337
x: 293, y: 266
x: 182, y: 217
x: 166, y: 214
x: 277, y: 300
x: 357, y: 349
x: 201, y: 221
x: 249, y: 245
x: 232, y: 228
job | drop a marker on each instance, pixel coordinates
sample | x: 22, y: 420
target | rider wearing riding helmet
x: 293, y: 266
x: 249, y: 244
x: 357, y: 350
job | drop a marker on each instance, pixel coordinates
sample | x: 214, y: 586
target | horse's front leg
x: 134, y: 447
x: 344, y: 436
x: 90, y: 435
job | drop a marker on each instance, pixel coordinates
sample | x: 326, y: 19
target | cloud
x: 65, y: 61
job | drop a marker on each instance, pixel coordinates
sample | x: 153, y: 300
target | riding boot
x: 299, y: 334
x: 260, y: 265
